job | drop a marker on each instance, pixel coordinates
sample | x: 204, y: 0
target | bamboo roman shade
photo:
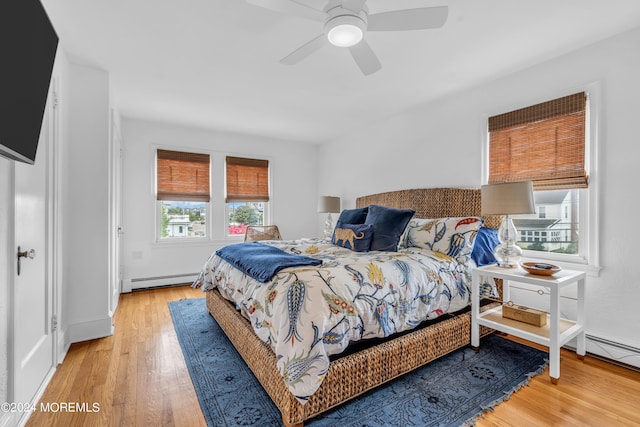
x: 183, y: 176
x: 247, y: 180
x: 544, y: 143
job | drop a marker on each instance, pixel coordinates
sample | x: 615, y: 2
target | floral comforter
x: 307, y: 314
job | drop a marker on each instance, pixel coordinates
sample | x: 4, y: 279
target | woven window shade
x: 183, y: 176
x: 544, y: 143
x: 247, y: 180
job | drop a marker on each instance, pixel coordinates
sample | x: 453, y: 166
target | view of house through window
x: 183, y: 193
x: 183, y: 219
x: 554, y: 226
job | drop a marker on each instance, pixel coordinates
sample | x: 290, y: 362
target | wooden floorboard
x: 138, y: 377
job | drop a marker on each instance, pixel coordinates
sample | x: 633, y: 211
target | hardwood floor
x: 138, y: 377
x: 590, y: 392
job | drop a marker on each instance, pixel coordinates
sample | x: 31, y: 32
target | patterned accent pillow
x: 356, y: 237
x: 450, y: 236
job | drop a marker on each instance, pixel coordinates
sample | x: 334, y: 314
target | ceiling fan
x: 346, y: 23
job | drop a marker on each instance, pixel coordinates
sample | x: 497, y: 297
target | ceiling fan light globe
x: 345, y: 35
x: 345, y: 30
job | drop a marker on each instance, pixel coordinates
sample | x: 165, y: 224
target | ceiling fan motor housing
x: 344, y: 27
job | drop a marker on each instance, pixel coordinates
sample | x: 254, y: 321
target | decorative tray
x: 540, y: 268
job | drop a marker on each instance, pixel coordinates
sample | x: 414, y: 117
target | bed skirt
x: 348, y: 376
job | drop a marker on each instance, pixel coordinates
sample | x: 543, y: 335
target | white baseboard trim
x: 63, y: 345
x: 129, y: 285
x: 36, y: 398
x: 19, y: 419
x: 90, y: 329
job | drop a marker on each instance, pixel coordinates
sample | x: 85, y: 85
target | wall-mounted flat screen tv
x: 28, y: 44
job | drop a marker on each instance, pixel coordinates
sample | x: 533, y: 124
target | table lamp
x: 328, y: 205
x: 507, y: 199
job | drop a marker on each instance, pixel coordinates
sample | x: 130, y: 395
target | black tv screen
x: 28, y: 44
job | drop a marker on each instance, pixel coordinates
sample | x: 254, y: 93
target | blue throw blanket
x: 260, y: 261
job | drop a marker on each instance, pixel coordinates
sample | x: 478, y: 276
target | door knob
x: 31, y: 254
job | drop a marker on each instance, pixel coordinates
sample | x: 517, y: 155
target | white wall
x: 85, y: 204
x: 63, y: 83
x: 293, y: 200
x: 440, y: 144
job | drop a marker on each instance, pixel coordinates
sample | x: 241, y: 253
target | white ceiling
x: 215, y: 63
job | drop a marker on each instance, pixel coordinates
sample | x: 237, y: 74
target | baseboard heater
x: 129, y: 285
x: 625, y: 355
x: 612, y: 352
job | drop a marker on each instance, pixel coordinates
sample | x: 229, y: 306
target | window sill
x: 194, y: 242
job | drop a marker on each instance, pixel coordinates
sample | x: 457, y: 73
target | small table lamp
x: 328, y: 205
x: 507, y: 199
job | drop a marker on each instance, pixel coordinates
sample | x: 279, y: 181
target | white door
x: 115, y: 214
x: 33, y: 343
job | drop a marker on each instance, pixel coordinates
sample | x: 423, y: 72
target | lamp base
x: 328, y: 227
x: 508, y: 256
x: 507, y: 253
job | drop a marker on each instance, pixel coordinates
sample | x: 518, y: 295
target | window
x: 546, y: 143
x: 247, y: 195
x: 183, y: 193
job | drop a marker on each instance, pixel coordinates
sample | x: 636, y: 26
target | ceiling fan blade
x: 354, y: 5
x: 291, y: 7
x: 409, y: 19
x: 305, y: 50
x: 365, y: 58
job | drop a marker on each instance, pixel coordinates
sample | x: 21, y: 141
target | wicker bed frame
x: 356, y: 373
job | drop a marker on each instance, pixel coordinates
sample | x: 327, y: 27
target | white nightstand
x: 554, y: 334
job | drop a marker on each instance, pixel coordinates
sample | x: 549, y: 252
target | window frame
x: 158, y: 203
x: 542, y: 212
x: 216, y: 209
x: 588, y: 257
x: 266, y: 219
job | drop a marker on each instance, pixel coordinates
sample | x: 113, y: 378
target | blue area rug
x: 451, y: 391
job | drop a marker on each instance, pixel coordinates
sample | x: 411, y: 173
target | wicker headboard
x: 433, y: 203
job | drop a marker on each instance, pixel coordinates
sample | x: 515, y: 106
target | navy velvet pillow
x: 388, y: 226
x: 486, y: 241
x: 353, y: 216
x: 356, y: 237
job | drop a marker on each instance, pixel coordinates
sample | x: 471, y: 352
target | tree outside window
x: 242, y: 214
x: 247, y: 193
